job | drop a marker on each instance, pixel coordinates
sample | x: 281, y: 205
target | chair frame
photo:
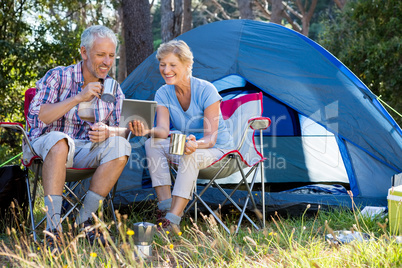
x: 75, y: 175
x: 257, y: 124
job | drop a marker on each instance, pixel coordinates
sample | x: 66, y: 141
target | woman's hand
x: 191, y: 144
x: 137, y: 128
x: 99, y: 132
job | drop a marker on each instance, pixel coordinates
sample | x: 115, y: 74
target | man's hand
x: 191, y: 144
x: 99, y: 132
x: 93, y: 89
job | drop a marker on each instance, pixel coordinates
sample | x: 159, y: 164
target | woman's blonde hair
x: 179, y: 48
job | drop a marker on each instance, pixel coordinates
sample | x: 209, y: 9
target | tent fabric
x: 297, y: 72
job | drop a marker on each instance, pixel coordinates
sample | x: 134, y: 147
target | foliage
x: 366, y: 37
x: 285, y: 242
x: 35, y: 36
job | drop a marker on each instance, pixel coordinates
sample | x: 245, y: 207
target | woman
x: 192, y: 105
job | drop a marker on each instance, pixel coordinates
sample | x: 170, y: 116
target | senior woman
x: 192, y: 105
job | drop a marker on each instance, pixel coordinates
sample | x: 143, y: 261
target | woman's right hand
x: 137, y: 128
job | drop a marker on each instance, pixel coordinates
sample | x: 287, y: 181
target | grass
x: 285, y: 242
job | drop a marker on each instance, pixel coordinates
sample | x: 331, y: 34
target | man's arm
x: 100, y: 132
x: 51, y: 112
x: 119, y: 131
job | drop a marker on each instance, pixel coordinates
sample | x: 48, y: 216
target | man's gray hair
x: 89, y: 35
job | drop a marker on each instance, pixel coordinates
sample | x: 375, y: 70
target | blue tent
x: 328, y: 127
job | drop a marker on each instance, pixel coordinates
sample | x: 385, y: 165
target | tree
x: 307, y: 12
x: 35, y: 36
x: 297, y: 13
x: 246, y: 9
x: 187, y: 16
x: 366, y: 37
x: 171, y: 20
x: 137, y: 32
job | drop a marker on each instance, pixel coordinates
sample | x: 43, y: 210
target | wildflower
x: 160, y: 224
x: 171, y: 246
x: 180, y: 233
x: 93, y: 254
x: 65, y: 266
x: 167, y: 232
x: 130, y: 232
x: 271, y: 233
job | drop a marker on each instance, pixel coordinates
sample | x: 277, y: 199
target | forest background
x: 37, y: 35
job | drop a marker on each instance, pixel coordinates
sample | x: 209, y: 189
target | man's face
x: 99, y: 59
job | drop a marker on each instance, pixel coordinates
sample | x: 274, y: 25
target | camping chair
x: 74, y: 176
x: 243, y: 117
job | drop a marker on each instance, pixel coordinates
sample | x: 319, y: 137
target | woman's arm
x: 162, y: 125
x: 211, y: 125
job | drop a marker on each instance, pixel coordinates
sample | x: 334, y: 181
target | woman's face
x: 173, y: 70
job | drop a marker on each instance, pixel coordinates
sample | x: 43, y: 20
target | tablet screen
x: 142, y: 110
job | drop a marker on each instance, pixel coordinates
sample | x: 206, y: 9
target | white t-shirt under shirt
x: 203, y: 94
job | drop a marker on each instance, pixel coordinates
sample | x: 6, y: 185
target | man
x: 63, y: 139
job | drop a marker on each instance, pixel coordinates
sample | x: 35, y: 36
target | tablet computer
x: 143, y: 110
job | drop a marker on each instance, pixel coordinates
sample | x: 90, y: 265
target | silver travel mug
x: 109, y: 90
x: 177, y: 143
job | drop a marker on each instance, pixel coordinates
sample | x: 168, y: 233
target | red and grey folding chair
x: 75, y: 175
x: 243, y: 117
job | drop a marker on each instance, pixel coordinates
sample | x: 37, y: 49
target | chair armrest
x: 12, y: 125
x: 259, y: 123
x: 19, y: 127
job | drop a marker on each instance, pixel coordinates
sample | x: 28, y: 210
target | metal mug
x: 109, y: 90
x: 143, y: 237
x: 177, y: 143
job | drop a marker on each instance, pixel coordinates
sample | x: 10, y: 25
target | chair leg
x: 249, y: 196
x: 234, y: 203
x: 111, y: 205
x: 207, y: 186
x: 262, y: 181
x: 213, y: 214
x: 30, y: 214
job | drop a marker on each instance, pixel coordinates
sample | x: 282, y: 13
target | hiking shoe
x: 93, y: 232
x: 160, y: 214
x: 53, y: 240
x: 164, y: 226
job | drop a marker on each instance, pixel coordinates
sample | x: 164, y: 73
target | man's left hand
x: 99, y: 132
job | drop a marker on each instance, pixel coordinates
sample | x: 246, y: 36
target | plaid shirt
x: 59, y: 84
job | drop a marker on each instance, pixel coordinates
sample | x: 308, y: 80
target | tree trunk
x: 187, y: 16
x: 122, y: 72
x: 137, y: 32
x: 307, y: 15
x: 246, y: 9
x: 276, y: 14
x: 178, y: 17
x: 167, y: 25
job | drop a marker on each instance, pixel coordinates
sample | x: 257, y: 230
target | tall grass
x: 285, y: 242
